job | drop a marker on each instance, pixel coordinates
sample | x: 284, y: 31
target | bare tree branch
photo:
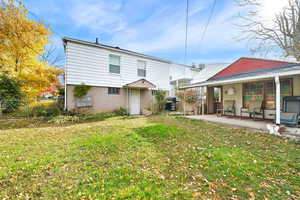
x: 52, y: 56
x: 283, y: 33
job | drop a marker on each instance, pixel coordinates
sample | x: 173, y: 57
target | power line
x: 186, y: 30
x: 208, y: 21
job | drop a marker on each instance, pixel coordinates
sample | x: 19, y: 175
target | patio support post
x: 277, y: 82
x: 202, y: 101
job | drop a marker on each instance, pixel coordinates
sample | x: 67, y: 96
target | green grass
x: 159, y: 157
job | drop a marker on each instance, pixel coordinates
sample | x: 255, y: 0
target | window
x: 253, y: 92
x: 270, y: 92
x: 154, y: 92
x: 141, y: 68
x: 115, y: 91
x: 266, y: 91
x: 114, y: 64
x: 286, y: 87
x: 270, y: 95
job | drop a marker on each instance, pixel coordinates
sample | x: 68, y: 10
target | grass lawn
x: 159, y: 157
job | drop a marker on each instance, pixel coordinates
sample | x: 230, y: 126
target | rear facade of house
x: 118, y: 78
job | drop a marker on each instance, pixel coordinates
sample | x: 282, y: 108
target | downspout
x: 127, y: 101
x: 65, y: 79
x: 277, y: 82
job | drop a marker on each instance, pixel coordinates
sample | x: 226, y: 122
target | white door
x: 134, y: 102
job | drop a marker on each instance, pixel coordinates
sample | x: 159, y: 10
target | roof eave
x: 243, y: 79
x: 66, y: 39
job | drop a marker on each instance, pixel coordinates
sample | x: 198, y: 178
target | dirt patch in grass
x: 158, y: 157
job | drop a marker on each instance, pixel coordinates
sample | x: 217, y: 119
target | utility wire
x: 186, y: 30
x: 208, y: 21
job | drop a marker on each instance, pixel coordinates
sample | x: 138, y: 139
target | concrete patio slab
x: 290, y: 132
x: 243, y: 123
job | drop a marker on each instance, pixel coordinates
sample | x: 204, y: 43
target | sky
x: 152, y: 27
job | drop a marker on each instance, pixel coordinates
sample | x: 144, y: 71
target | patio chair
x: 229, y: 107
x: 289, y: 118
x: 254, y: 110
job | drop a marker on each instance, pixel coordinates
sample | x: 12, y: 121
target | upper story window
x: 141, y: 71
x: 112, y: 90
x: 114, y: 64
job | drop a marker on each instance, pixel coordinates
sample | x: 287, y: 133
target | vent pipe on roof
x: 97, y: 40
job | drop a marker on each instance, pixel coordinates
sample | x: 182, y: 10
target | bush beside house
x: 188, y: 100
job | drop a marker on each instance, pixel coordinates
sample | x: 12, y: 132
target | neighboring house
x: 50, y: 92
x: 250, y: 80
x: 119, y: 77
x: 182, y: 76
x: 208, y: 71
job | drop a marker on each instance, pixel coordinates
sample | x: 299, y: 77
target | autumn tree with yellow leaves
x: 22, y: 42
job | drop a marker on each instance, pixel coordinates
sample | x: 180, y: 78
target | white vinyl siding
x: 114, y: 64
x: 142, y: 66
x: 90, y: 65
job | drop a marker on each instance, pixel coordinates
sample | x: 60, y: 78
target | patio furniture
x: 229, y: 107
x: 289, y: 118
x: 254, y: 110
x: 291, y: 104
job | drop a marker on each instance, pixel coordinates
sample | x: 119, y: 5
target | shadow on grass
x: 43, y: 122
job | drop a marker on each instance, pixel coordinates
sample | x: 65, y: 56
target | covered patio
x: 255, y: 94
x: 259, y: 94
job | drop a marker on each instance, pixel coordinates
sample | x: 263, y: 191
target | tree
x: 23, y: 41
x: 160, y: 99
x: 188, y: 98
x: 281, y: 33
x: 52, y: 56
x: 10, y: 94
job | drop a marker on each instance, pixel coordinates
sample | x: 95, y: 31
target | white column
x: 277, y: 82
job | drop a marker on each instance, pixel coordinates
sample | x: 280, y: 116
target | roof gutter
x: 243, y: 79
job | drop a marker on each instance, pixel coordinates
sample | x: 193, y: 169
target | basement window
x: 115, y: 91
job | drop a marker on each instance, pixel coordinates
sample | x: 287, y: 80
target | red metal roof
x: 247, y: 65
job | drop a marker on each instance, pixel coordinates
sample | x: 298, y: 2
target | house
x: 118, y: 77
x: 182, y: 76
x: 251, y: 80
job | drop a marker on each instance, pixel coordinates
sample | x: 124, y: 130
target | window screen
x: 114, y: 64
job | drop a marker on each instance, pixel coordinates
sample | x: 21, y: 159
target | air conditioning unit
x: 201, y: 66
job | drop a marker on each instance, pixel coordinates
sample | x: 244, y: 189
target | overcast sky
x: 153, y: 27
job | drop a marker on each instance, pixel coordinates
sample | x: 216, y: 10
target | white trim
x: 277, y: 82
x: 244, y: 79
